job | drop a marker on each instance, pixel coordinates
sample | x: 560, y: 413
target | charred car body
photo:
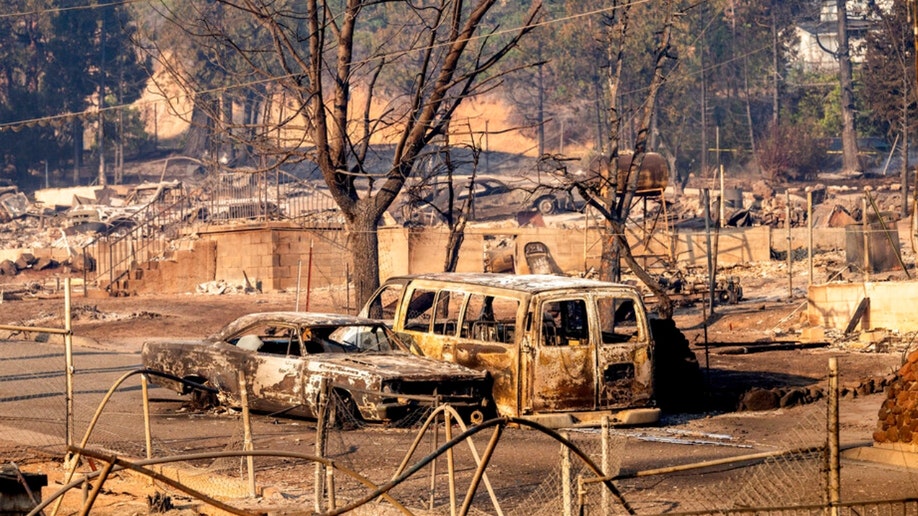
x: 561, y: 351
x: 284, y: 357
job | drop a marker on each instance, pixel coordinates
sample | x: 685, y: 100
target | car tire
x: 203, y: 400
x: 346, y: 415
x: 545, y: 205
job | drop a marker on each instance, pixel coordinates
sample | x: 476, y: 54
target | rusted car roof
x: 528, y: 283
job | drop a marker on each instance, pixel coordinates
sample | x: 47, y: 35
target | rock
x: 8, y: 268
x: 44, y: 263
x: 25, y: 260
x: 793, y: 397
x: 759, y: 399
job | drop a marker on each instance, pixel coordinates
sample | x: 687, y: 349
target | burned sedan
x: 284, y: 357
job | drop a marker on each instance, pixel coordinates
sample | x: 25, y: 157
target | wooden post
x: 606, y: 460
x: 450, y: 462
x: 330, y: 482
x: 834, y: 465
x: 321, y: 425
x: 434, y: 444
x: 809, y: 228
x: 790, y: 248
x: 866, y: 228
x: 247, y: 434
x: 566, y: 498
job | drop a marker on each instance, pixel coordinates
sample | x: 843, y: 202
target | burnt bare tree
x: 611, y: 193
x: 359, y: 88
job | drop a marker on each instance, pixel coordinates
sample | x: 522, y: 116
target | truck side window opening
x: 564, y: 323
x: 490, y: 319
x: 446, y: 315
x: 383, y: 305
x: 617, y: 319
x: 420, y: 308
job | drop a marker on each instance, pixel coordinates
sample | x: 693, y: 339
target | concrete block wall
x: 733, y: 246
x: 273, y: 255
x: 290, y: 258
x: 179, y: 273
x: 891, y: 305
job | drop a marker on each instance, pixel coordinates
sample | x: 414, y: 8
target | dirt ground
x: 122, y: 324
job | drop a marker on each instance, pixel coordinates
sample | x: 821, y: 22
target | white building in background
x: 814, y: 35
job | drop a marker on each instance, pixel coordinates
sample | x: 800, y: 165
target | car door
x: 270, y: 356
x: 624, y: 368
x: 560, y: 365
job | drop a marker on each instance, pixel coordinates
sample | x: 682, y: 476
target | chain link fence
x: 527, y: 472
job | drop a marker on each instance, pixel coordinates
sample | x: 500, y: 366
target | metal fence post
x: 321, y: 425
x: 566, y: 498
x: 68, y: 357
x: 834, y: 466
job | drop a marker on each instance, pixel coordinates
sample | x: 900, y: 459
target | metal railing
x: 144, y: 240
x: 272, y: 195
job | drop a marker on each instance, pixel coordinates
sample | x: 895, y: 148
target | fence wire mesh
x: 524, y: 473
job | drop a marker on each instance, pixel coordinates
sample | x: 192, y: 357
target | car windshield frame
x: 329, y: 338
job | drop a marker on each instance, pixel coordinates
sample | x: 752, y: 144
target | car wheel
x: 346, y: 415
x: 203, y: 400
x: 545, y: 205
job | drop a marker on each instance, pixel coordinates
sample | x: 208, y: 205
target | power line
x: 95, y: 111
x: 51, y: 10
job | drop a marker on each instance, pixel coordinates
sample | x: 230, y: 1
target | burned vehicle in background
x: 490, y: 197
x: 562, y: 351
x: 285, y: 356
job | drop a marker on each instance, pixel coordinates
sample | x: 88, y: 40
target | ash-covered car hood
x: 391, y: 365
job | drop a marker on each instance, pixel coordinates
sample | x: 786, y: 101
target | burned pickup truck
x: 284, y: 357
x: 562, y: 351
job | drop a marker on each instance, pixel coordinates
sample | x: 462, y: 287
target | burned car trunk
x: 284, y: 358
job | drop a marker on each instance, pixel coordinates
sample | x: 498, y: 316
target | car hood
x: 392, y: 365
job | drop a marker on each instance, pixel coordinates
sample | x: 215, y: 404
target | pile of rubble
x: 783, y: 397
x: 29, y: 262
x: 833, y: 205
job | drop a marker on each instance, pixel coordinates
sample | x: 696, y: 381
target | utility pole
x: 102, y: 103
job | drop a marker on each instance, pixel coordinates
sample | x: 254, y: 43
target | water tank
x: 652, y: 178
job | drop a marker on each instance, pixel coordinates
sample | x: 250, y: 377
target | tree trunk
x: 363, y: 247
x: 850, y: 161
x: 198, y: 139
x: 77, y: 128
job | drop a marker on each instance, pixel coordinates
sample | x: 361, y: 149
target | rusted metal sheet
x: 284, y: 356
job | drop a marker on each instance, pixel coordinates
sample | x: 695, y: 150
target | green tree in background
x: 55, y: 62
